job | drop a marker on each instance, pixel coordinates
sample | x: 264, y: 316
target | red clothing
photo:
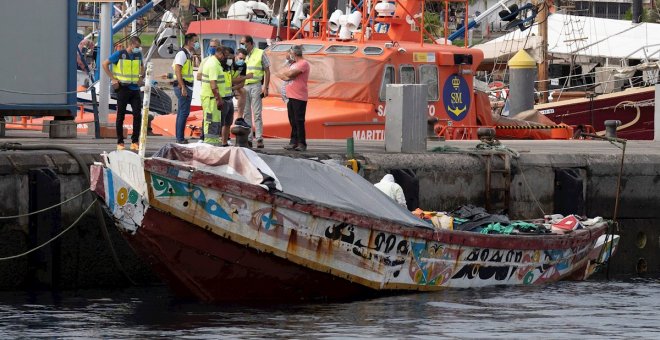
x: 297, y: 87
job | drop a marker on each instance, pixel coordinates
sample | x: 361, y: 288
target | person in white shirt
x: 388, y: 186
x: 183, y: 85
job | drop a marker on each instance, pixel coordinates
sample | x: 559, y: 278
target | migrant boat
x: 229, y: 224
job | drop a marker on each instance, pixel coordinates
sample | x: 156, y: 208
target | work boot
x: 135, y: 146
x: 301, y: 147
x: 260, y: 143
x: 290, y: 146
x: 120, y: 146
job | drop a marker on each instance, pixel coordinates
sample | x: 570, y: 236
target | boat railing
x: 445, y: 129
x: 369, y: 18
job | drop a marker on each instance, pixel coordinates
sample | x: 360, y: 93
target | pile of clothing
x: 476, y: 219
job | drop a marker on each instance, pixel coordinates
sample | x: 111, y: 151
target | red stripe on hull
x: 214, y: 269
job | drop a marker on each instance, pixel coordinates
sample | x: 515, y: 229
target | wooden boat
x: 633, y: 107
x: 226, y: 224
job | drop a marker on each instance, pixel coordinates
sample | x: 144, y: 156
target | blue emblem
x: 456, y: 97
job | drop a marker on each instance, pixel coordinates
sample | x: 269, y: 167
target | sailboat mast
x: 542, y: 19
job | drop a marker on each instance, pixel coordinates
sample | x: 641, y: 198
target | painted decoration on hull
x: 125, y: 203
x: 456, y: 97
x: 362, y: 253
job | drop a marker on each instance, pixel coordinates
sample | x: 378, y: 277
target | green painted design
x: 166, y: 187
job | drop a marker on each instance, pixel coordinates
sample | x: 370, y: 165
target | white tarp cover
x: 306, y: 181
x: 583, y: 36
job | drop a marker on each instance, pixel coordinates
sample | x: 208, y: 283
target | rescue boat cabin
x: 348, y: 81
x: 354, y: 56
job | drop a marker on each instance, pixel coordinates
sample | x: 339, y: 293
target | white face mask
x: 230, y: 62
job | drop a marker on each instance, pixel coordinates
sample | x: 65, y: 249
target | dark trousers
x: 297, y: 110
x: 127, y: 96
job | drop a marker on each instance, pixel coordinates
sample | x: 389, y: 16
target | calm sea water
x: 595, y: 309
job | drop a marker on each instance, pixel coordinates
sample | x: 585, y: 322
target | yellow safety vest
x: 212, y: 70
x: 127, y: 69
x: 254, y: 66
x: 227, y: 88
x: 186, y: 68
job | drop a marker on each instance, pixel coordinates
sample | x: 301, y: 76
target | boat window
x: 281, y: 47
x: 428, y: 74
x: 341, y: 49
x: 407, y: 74
x: 307, y: 48
x: 372, y: 50
x: 310, y: 48
x: 229, y: 43
x: 388, y: 78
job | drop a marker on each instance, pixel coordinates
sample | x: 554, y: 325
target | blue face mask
x: 241, y: 45
x: 196, y: 45
x: 137, y: 50
x: 210, y: 51
x: 240, y: 62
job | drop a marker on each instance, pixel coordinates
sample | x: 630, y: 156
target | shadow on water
x: 566, y: 309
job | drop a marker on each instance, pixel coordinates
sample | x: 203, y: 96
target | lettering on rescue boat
x: 381, y: 110
x: 456, y: 97
x: 369, y: 134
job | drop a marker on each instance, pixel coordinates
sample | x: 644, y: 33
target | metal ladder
x: 498, y: 163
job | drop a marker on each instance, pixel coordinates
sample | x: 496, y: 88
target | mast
x: 542, y: 19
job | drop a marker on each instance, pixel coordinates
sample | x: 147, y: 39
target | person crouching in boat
x: 388, y: 186
x: 213, y: 88
x: 297, y: 93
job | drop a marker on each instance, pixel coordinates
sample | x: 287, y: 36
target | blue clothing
x: 182, y: 113
x: 114, y: 59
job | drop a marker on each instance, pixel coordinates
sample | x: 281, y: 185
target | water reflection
x: 566, y: 309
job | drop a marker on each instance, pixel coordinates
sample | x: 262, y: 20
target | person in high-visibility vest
x: 255, y: 88
x: 183, y: 85
x: 213, y: 87
x: 127, y: 77
x: 210, y: 53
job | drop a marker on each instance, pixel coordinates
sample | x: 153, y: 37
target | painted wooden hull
x: 634, y: 108
x: 221, y: 240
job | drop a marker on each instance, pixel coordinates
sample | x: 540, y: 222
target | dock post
x: 406, y: 118
x: 610, y: 128
x: 521, y: 83
x: 105, y: 51
x: 2, y: 126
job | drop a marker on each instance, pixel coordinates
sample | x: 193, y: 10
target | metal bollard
x: 241, y: 134
x: 430, y: 128
x: 610, y: 128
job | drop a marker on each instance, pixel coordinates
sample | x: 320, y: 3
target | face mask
x: 196, y: 45
x: 230, y: 62
x: 137, y: 49
x: 211, y: 51
x: 241, y: 45
x: 240, y: 62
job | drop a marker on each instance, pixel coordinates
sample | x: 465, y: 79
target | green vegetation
x: 146, y: 38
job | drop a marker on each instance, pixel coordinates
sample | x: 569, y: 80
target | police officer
x: 127, y: 76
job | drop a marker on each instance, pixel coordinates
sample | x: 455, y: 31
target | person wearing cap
x: 297, y: 94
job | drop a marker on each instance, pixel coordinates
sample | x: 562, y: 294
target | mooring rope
x: 52, y: 239
x: 45, y: 209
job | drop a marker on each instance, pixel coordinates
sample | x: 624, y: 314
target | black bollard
x: 610, y: 128
x: 241, y: 133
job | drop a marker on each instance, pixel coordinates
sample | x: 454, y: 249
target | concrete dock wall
x: 445, y: 181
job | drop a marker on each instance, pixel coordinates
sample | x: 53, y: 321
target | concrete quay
x: 546, y: 177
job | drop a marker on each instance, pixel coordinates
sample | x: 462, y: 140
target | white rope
x: 45, y: 209
x: 52, y: 239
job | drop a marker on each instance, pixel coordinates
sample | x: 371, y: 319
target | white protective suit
x: 391, y: 189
